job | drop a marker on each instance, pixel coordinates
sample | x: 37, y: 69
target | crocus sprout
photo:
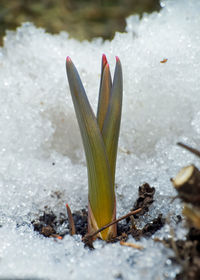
x: 100, y: 136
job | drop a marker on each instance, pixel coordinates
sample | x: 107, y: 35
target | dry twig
x: 132, y: 245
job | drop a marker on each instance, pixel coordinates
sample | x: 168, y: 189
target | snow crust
x: 42, y: 155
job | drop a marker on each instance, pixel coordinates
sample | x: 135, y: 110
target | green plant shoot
x: 100, y: 136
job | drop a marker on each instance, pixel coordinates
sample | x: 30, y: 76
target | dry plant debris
x: 187, y: 252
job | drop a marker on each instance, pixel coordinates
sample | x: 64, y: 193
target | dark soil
x: 187, y: 254
x: 49, y: 225
x: 145, y: 199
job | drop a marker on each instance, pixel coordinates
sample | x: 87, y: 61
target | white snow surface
x: 42, y: 155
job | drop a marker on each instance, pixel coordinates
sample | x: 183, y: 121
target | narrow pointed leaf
x: 104, y: 92
x: 101, y: 194
x: 112, y: 121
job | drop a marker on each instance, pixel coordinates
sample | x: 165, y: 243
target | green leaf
x: 101, y: 192
x: 104, y: 92
x: 111, y: 126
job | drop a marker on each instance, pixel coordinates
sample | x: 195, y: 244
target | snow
x: 42, y: 154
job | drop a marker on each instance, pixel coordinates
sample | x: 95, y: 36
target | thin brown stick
x: 71, y: 221
x: 192, y: 150
x: 132, y: 245
x: 87, y: 236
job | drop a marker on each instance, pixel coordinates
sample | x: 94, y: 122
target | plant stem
x: 87, y: 236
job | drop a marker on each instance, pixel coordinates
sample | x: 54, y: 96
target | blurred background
x: 82, y: 19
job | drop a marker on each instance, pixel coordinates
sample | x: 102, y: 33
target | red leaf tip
x: 104, y: 60
x: 117, y: 59
x: 68, y: 59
